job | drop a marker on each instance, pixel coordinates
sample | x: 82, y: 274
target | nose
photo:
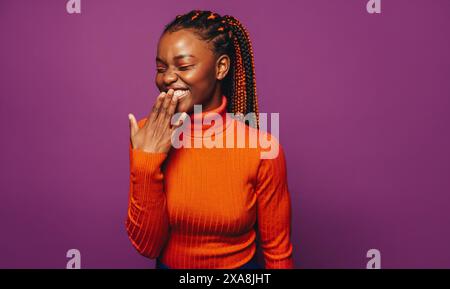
x: 169, y: 77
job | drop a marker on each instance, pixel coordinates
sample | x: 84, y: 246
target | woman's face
x: 188, y: 65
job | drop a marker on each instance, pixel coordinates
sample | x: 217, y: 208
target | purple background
x: 364, y: 105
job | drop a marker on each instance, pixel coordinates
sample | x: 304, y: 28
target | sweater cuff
x: 146, y: 165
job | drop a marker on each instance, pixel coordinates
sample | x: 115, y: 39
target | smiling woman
x: 189, y: 66
x: 203, y: 207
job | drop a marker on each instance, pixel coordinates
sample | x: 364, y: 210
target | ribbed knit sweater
x: 202, y: 207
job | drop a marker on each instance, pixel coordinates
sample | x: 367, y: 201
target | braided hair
x: 228, y: 36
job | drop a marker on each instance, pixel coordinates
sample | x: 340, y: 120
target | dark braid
x: 227, y: 36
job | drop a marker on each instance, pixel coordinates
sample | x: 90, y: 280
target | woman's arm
x: 274, y: 212
x: 147, y: 221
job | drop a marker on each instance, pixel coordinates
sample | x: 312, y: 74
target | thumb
x: 133, y: 124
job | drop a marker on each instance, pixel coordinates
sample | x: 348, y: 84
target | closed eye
x: 185, y: 67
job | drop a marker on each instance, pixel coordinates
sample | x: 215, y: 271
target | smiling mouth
x: 181, y: 93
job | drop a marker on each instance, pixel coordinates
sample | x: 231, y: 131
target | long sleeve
x: 274, y: 213
x: 147, y: 221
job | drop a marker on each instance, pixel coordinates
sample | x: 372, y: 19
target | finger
x: 133, y: 124
x: 172, y: 106
x: 156, y: 107
x: 167, y: 99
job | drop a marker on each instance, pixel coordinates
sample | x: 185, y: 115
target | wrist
x: 145, y: 165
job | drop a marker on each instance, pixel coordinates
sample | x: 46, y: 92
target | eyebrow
x: 177, y: 57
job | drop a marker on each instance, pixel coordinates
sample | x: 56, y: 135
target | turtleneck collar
x: 203, y: 121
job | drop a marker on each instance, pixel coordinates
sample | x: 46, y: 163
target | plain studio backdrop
x: 364, y: 102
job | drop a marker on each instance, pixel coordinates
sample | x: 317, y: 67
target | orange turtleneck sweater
x: 201, y: 207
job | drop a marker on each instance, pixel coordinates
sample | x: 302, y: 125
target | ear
x: 223, y: 66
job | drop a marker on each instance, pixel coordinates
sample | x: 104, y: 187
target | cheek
x: 202, y: 85
x: 159, y: 81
